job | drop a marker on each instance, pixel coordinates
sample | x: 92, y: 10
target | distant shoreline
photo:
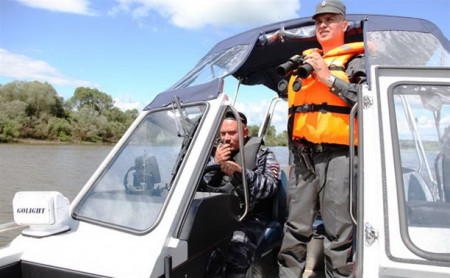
x: 54, y: 142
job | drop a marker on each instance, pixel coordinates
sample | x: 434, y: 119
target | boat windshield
x: 215, y: 65
x: 403, y: 48
x: 423, y: 133
x: 131, y: 191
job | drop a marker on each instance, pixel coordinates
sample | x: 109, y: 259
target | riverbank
x: 55, y: 142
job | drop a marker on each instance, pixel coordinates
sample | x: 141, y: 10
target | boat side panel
x: 30, y: 270
x: 12, y: 271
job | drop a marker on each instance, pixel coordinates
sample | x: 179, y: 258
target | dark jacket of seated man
x: 263, y: 179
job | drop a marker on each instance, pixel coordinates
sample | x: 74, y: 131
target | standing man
x: 319, y: 131
x: 263, y: 178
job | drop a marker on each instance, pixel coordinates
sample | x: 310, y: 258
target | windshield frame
x: 433, y: 258
x: 121, y: 149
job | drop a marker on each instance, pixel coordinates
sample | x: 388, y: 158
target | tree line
x: 271, y: 138
x: 33, y: 110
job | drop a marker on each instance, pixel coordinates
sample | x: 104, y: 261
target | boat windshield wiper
x: 188, y: 135
x: 181, y: 131
x: 186, y: 142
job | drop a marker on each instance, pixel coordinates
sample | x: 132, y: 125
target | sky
x: 134, y: 49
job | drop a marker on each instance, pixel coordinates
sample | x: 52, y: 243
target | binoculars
x: 296, y: 65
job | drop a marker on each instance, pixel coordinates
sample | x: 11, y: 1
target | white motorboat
x: 143, y: 213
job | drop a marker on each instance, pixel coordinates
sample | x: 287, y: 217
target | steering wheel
x: 227, y: 188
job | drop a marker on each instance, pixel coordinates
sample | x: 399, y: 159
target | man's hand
x: 223, y: 153
x: 320, y: 67
x: 223, y: 156
x: 229, y: 167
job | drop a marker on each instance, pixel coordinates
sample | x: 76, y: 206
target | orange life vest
x: 319, y: 115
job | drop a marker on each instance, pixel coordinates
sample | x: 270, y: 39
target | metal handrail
x: 241, y: 154
x: 269, y: 114
x: 351, y: 148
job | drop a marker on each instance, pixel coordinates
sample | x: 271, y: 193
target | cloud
x: 21, y: 67
x: 126, y: 103
x: 255, y: 112
x: 187, y: 14
x: 65, y: 6
x: 194, y: 14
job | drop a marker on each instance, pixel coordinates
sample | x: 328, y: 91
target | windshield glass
x: 423, y: 131
x: 215, y: 65
x: 402, y: 48
x: 130, y: 193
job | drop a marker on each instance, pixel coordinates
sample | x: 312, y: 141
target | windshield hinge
x: 181, y: 131
x: 371, y: 234
x: 367, y: 102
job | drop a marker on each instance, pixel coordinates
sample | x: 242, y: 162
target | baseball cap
x: 230, y: 115
x: 329, y: 6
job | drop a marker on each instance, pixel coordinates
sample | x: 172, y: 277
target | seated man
x: 263, y: 178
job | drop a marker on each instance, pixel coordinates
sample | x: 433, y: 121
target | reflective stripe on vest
x: 319, y: 115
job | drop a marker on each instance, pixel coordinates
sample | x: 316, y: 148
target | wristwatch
x: 330, y: 80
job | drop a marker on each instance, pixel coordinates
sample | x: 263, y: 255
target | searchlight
x: 45, y: 212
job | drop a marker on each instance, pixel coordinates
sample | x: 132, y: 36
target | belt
x: 324, y: 108
x: 320, y: 147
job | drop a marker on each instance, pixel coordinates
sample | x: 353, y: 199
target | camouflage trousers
x: 241, y: 251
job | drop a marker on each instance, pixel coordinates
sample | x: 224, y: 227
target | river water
x: 62, y: 168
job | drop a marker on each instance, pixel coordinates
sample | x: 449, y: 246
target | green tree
x: 40, y: 98
x: 30, y: 104
x: 130, y: 116
x: 9, y: 129
x: 59, y: 129
x: 89, y: 125
x: 282, y: 139
x: 119, y: 121
x: 270, y: 139
x: 253, y: 130
x: 91, y: 98
x: 34, y: 110
x: 13, y: 110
